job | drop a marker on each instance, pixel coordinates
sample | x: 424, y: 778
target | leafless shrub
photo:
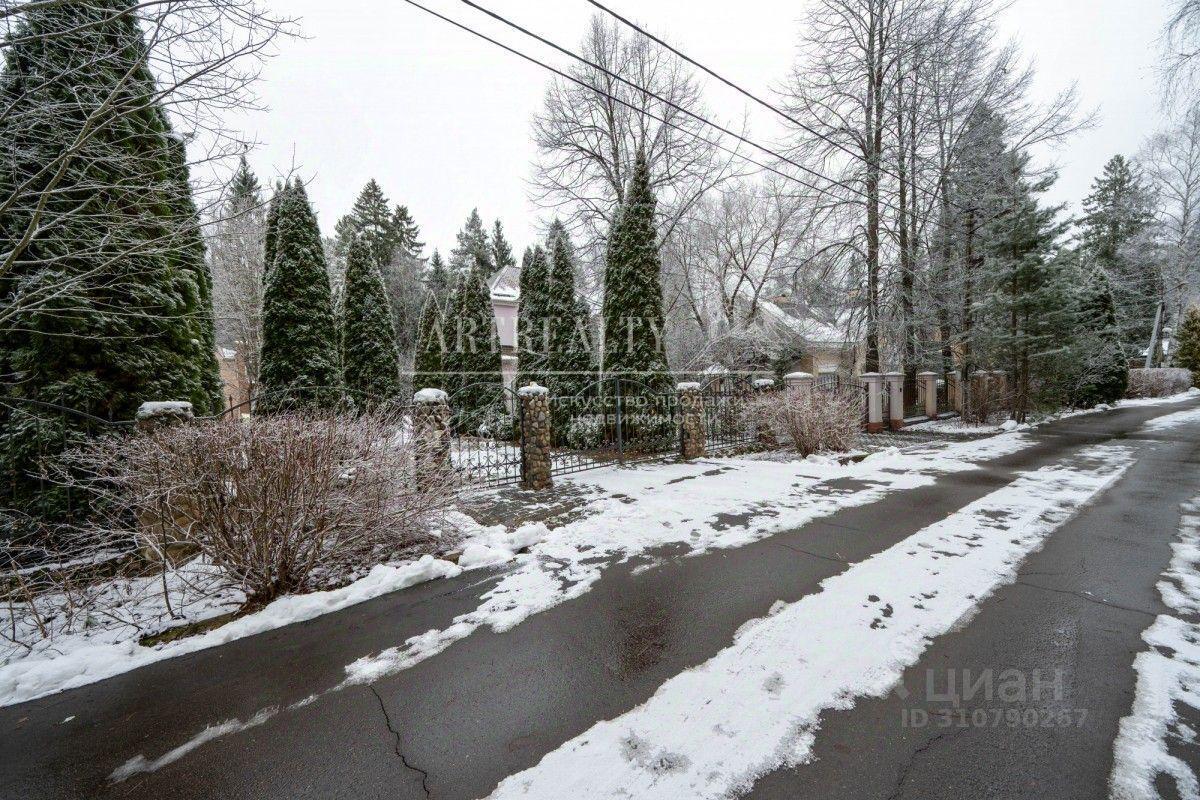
x: 1158, y: 382
x: 814, y: 421
x: 226, y: 513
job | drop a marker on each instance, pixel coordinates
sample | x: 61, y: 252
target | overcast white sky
x: 441, y: 119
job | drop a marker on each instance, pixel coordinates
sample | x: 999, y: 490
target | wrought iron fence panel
x: 485, y: 437
x: 725, y: 422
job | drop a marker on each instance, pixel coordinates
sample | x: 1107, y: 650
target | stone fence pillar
x: 928, y: 383
x: 798, y: 381
x: 764, y: 430
x: 172, y: 412
x: 894, y: 386
x: 431, y: 436
x: 535, y: 436
x: 692, y: 433
x: 159, y: 536
x: 873, y: 383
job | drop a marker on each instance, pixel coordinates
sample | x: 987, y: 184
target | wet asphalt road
x: 494, y: 704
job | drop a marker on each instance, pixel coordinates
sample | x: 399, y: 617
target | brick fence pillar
x: 535, y: 436
x: 431, y: 436
x: 765, y: 433
x: 692, y: 433
x: 873, y: 382
x: 894, y: 386
x: 928, y: 383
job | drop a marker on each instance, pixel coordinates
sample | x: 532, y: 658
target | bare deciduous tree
x: 588, y: 136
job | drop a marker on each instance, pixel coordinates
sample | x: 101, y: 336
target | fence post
x: 158, y: 541
x: 692, y: 433
x: 798, y: 381
x: 535, y: 436
x: 895, y: 390
x: 172, y: 412
x: 953, y: 391
x: 431, y: 434
x: 928, y: 380
x: 766, y: 434
x: 873, y: 381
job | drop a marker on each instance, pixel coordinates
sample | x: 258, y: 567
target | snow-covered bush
x: 269, y: 506
x: 1158, y: 382
x: 499, y: 427
x: 813, y: 421
x: 585, y: 432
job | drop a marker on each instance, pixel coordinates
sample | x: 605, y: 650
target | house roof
x: 506, y: 284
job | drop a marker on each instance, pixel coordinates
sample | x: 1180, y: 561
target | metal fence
x: 35, y: 434
x: 724, y: 417
x: 485, y: 438
x: 615, y: 420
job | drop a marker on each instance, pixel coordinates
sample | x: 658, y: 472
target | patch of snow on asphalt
x: 139, y: 763
x: 1172, y: 420
x: 1167, y: 674
x: 77, y: 660
x: 712, y: 731
x: 701, y: 505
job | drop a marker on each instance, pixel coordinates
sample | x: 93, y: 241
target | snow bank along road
x: 939, y: 625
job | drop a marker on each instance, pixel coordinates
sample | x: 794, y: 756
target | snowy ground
x: 627, y: 512
x: 854, y: 638
x: 1168, y: 675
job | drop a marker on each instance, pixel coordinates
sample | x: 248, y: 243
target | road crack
x: 403, y: 759
x: 902, y: 778
x: 1088, y: 597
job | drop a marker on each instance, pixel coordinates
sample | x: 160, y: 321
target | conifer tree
x: 1102, y: 356
x: 428, y: 369
x: 472, y: 248
x: 1187, y: 343
x: 478, y: 350
x: 197, y: 350
x: 269, y: 235
x: 633, y: 312
x: 532, y: 334
x: 405, y: 232
x: 299, y: 353
x: 569, y: 360
x: 369, y: 358
x: 502, y: 254
x: 438, y: 282
x: 108, y: 300
x: 452, y: 362
x: 1118, y: 211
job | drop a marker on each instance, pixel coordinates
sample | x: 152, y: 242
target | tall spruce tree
x: 299, y: 352
x: 472, y: 248
x: 502, y: 254
x: 633, y: 311
x: 107, y: 297
x: 1025, y: 297
x: 1119, y: 210
x: 1187, y: 343
x: 1101, y: 357
x: 438, y: 281
x: 370, y: 362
